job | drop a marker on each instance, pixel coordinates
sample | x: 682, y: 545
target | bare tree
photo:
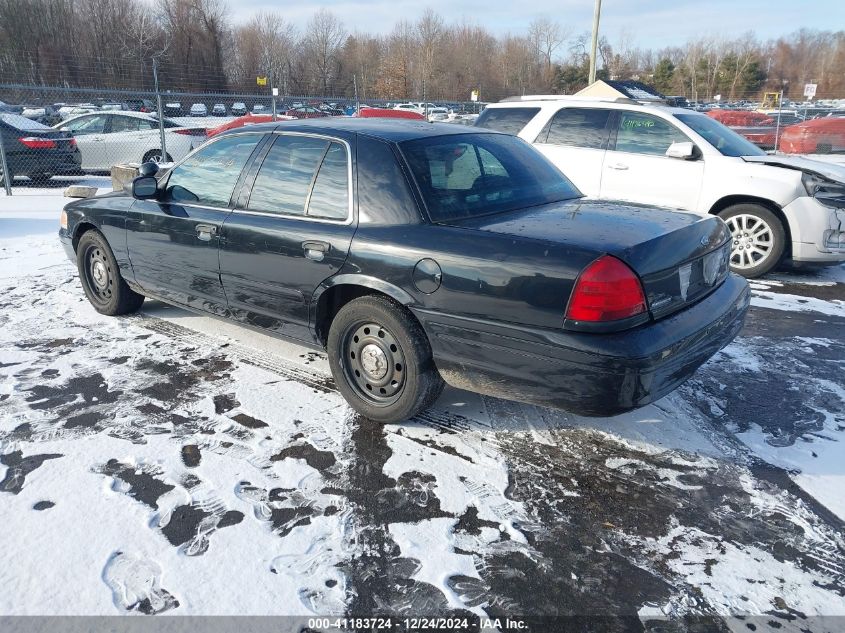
x: 547, y: 36
x: 324, y: 37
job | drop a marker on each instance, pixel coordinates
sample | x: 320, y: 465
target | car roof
x: 393, y: 130
x: 572, y: 101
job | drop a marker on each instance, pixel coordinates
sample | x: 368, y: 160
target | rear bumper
x: 588, y: 374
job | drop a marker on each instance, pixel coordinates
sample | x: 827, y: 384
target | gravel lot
x: 172, y: 463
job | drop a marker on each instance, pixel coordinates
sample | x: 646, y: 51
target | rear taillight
x: 33, y: 142
x: 607, y: 290
x: 72, y: 142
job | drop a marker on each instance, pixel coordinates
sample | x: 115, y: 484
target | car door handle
x: 206, y: 231
x: 316, y: 250
x: 618, y: 166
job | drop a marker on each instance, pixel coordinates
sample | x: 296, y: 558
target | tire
x: 759, y: 239
x: 383, y: 344
x: 100, y: 277
x: 154, y: 155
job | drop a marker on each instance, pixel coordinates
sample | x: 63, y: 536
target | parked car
x: 819, y: 136
x: 438, y: 114
x: 141, y: 105
x: 238, y: 109
x: 46, y: 115
x: 36, y: 150
x: 258, y: 108
x: 388, y: 113
x: 493, y: 275
x: 68, y: 111
x: 249, y: 119
x: 219, y: 109
x: 110, y: 138
x: 657, y: 155
x: 409, y: 107
x: 199, y: 109
x: 306, y: 112
x: 173, y: 108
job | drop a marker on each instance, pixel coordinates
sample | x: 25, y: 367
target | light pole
x: 594, y: 45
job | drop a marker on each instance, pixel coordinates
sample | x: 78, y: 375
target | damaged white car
x: 776, y: 207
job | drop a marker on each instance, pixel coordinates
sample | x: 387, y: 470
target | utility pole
x: 594, y: 45
x: 160, y: 111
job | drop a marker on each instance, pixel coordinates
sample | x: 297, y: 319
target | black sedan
x: 35, y: 150
x: 419, y: 253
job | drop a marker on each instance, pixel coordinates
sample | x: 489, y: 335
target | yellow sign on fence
x: 261, y: 81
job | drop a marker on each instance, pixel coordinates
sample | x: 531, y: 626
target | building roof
x: 634, y: 90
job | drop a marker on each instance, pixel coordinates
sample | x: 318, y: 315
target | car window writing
x: 645, y: 134
x: 209, y: 175
x: 285, y: 177
x: 578, y: 127
x: 330, y: 195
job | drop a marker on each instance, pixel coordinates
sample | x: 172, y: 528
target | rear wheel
x: 758, y: 239
x: 381, y: 360
x: 100, y: 277
x: 155, y: 156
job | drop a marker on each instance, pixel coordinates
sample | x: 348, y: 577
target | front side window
x: 508, y: 120
x: 287, y: 175
x: 88, y: 125
x: 466, y: 175
x: 639, y: 133
x: 209, y: 176
x: 728, y: 142
x: 577, y: 127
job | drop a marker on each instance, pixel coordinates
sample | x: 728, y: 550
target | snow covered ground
x: 168, y: 463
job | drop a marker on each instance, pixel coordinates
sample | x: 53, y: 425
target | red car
x: 757, y: 127
x: 306, y: 112
x: 386, y: 113
x: 819, y: 136
x: 249, y: 119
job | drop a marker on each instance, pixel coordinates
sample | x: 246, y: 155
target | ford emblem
x: 705, y: 240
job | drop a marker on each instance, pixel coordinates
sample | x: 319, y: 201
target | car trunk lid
x: 679, y: 257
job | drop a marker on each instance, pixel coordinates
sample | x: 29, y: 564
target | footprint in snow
x: 135, y: 583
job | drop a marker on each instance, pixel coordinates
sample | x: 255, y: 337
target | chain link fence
x: 54, y: 136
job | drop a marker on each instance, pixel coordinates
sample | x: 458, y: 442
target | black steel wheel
x: 100, y: 277
x: 381, y: 360
x: 374, y: 362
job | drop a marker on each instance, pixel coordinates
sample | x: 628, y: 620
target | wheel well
x: 333, y: 299
x: 729, y: 201
x: 81, y: 229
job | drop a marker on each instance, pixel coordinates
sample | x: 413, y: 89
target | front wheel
x: 381, y: 360
x: 100, y: 277
x: 758, y: 239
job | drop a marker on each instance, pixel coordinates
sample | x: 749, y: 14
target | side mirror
x: 144, y: 187
x: 684, y: 151
x: 148, y: 169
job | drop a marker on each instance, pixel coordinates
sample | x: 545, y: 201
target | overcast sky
x: 651, y: 23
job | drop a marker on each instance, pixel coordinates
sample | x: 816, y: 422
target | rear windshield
x: 728, y: 142
x: 467, y: 175
x: 508, y: 120
x: 22, y: 123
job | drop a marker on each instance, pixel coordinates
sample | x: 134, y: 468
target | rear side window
x: 508, y: 120
x: 303, y: 176
x: 646, y: 134
x: 209, y: 175
x: 577, y: 127
x: 466, y: 175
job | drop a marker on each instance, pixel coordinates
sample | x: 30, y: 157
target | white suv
x: 775, y: 206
